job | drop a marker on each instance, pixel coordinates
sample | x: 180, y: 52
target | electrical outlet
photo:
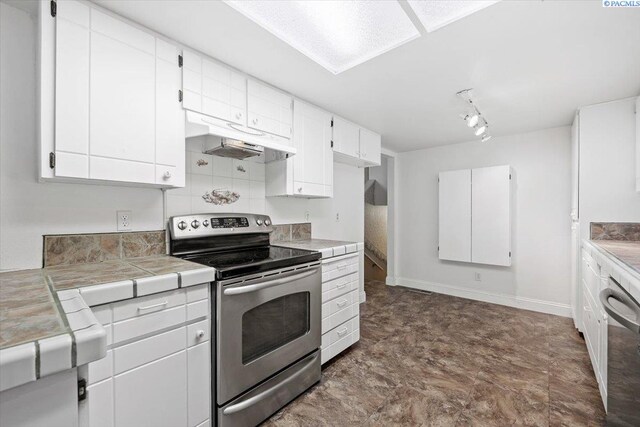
x: 478, y: 277
x: 306, y: 216
x: 338, y: 217
x: 124, y: 220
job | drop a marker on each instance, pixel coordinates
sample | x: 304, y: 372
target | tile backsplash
x: 68, y: 249
x: 615, y: 231
x: 241, y: 183
x: 282, y: 232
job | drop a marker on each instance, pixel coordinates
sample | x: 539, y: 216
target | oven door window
x: 274, y: 324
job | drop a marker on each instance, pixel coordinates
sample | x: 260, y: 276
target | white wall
x: 540, y: 275
x: 607, y: 164
x: 29, y: 209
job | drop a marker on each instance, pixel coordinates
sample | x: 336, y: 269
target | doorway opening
x: 376, y: 201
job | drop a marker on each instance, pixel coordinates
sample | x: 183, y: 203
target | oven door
x: 264, y: 325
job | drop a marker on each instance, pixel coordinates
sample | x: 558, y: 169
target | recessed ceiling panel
x: 434, y: 14
x: 336, y: 34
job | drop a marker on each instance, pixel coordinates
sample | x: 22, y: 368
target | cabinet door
x: 491, y: 220
x: 224, y: 92
x: 72, y: 90
x: 170, y: 133
x: 199, y: 388
x: 154, y: 394
x: 313, y: 162
x: 122, y: 90
x: 97, y: 409
x: 370, y: 147
x: 346, y: 138
x: 454, y: 215
x: 269, y: 110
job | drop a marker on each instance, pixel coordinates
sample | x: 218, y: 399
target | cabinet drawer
x: 339, y: 266
x: 340, y: 303
x: 149, y: 349
x: 340, y: 317
x: 198, y: 333
x: 340, y: 286
x: 197, y: 309
x: 591, y: 275
x: 146, y: 305
x: 197, y: 293
x: 342, y: 344
x: 139, y: 326
x: 340, y: 332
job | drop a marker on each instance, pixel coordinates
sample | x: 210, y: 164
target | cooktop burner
x: 240, y: 262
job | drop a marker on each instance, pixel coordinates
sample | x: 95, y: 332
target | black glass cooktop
x: 235, y: 263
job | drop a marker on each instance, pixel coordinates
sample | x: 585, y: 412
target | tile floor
x: 436, y: 360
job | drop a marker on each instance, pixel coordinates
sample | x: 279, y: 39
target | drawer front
x: 142, y: 325
x: 197, y: 293
x: 340, y: 303
x: 340, y: 317
x: 100, y: 369
x: 341, y: 266
x: 340, y: 286
x: 197, y: 309
x: 337, y: 347
x: 340, y: 332
x: 149, y: 349
x: 198, y: 333
x: 138, y: 307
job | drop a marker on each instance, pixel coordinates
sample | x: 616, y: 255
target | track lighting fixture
x: 473, y: 117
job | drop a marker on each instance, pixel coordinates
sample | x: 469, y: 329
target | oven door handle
x: 270, y: 391
x: 263, y: 285
x: 607, y: 293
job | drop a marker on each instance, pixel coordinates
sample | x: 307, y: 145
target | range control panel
x: 200, y: 225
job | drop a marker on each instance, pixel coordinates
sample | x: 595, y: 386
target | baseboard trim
x: 532, y: 304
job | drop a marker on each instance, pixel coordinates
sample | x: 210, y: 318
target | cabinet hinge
x: 331, y: 122
x: 331, y: 144
x: 82, y: 389
x: 509, y: 254
x: 509, y: 176
x: 438, y: 248
x: 52, y: 160
x: 180, y: 96
x: 180, y: 61
x: 54, y: 8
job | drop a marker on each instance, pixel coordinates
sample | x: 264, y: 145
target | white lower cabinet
x: 340, y: 304
x: 152, y: 376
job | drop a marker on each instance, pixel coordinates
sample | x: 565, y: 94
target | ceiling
x: 531, y: 63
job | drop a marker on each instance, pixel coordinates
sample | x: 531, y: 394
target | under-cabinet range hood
x: 233, y: 148
x: 239, y: 139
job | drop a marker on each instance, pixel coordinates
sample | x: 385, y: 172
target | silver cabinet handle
x: 341, y: 286
x: 149, y: 307
x: 200, y: 334
x: 268, y: 284
x: 342, y: 332
x: 342, y: 303
x: 605, y: 294
x: 270, y: 391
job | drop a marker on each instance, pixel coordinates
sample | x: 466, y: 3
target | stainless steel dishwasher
x: 623, y: 358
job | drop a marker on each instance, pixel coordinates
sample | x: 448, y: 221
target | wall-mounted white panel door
x: 123, y: 89
x: 269, y: 110
x: 224, y: 92
x: 491, y: 207
x: 454, y: 215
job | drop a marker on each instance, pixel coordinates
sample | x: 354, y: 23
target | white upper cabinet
x: 355, y: 145
x: 638, y: 144
x: 475, y: 215
x: 215, y: 90
x: 310, y: 172
x: 269, y: 110
x: 117, y: 115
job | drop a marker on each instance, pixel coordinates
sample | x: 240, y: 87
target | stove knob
x: 259, y: 221
x: 205, y: 222
x: 182, y: 225
x: 195, y: 223
x: 267, y: 222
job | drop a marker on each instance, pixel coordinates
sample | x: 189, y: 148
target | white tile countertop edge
x: 328, y: 252
x: 627, y: 277
x: 87, y: 339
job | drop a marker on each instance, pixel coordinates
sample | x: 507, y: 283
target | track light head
x: 472, y: 119
x: 486, y: 137
x: 481, y: 129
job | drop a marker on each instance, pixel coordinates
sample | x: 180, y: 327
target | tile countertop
x: 46, y: 312
x: 328, y: 248
x: 621, y: 259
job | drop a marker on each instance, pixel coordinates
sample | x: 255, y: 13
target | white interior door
x: 491, y: 207
x: 346, y: 138
x: 313, y: 162
x: 454, y: 215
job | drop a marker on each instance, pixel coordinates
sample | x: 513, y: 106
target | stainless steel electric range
x: 266, y: 303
